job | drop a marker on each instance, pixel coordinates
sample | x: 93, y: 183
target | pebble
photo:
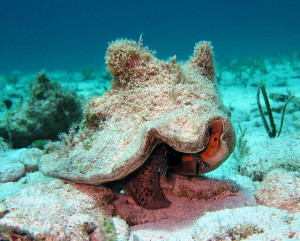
x: 11, y: 171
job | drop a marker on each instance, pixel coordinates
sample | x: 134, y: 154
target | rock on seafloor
x: 54, y: 211
x: 11, y: 171
x: 29, y: 157
x: 49, y: 111
x: 280, y: 189
x: 14, y: 164
x: 267, y: 154
x: 246, y: 223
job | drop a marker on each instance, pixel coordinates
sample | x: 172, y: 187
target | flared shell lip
x: 153, y: 138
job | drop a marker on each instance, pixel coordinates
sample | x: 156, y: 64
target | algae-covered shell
x: 151, y: 102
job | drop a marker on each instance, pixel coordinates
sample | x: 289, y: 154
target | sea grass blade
x: 283, y: 112
x: 271, y: 132
x: 272, y: 123
x: 261, y: 112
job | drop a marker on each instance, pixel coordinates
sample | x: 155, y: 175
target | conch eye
x: 215, y: 131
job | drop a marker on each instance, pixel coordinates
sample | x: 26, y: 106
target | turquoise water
x: 52, y: 63
x: 62, y: 34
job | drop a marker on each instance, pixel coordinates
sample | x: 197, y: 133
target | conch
x: 159, y: 117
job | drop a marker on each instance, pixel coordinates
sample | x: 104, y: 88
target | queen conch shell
x: 151, y: 102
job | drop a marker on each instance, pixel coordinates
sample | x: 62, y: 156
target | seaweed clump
x: 49, y: 111
x: 242, y: 148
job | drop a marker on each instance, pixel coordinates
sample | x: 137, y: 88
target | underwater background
x: 61, y: 34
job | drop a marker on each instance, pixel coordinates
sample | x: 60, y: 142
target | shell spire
x: 202, y: 59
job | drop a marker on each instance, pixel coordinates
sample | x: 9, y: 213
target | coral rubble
x: 49, y: 111
x: 280, y: 189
